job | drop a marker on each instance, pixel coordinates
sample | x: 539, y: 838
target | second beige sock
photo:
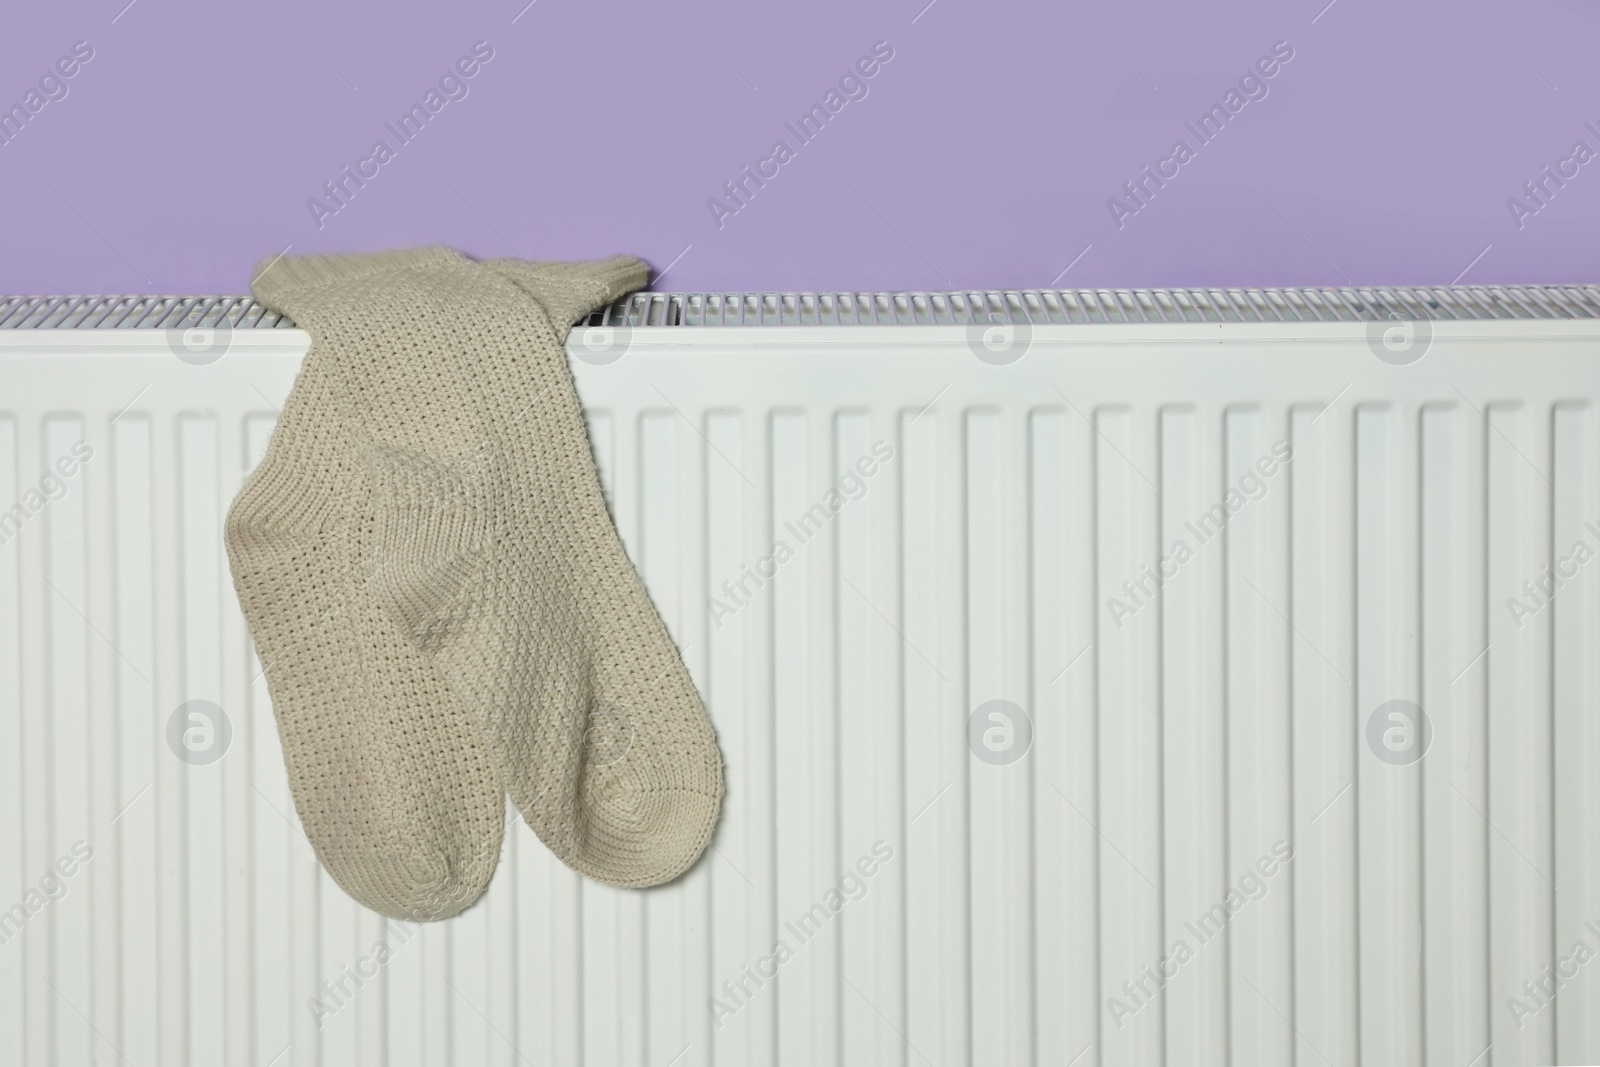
x: 394, y: 788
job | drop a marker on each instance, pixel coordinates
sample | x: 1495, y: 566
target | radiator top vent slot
x: 1034, y: 306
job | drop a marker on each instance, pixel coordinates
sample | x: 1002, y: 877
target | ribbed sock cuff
x: 276, y: 279
x: 570, y: 290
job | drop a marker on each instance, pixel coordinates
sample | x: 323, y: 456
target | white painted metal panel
x: 1015, y: 537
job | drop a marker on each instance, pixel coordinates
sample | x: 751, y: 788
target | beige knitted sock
x: 395, y: 790
x: 493, y: 550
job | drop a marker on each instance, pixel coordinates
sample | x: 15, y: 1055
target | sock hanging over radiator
x: 395, y: 789
x: 492, y: 549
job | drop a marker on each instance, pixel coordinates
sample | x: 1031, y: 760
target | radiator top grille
x: 135, y: 312
x: 1034, y: 306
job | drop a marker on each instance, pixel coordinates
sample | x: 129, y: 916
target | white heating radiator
x: 1211, y: 552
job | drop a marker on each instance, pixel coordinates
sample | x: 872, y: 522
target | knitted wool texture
x: 493, y: 551
x: 395, y: 790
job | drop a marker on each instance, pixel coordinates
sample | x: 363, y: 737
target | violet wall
x: 1391, y: 143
